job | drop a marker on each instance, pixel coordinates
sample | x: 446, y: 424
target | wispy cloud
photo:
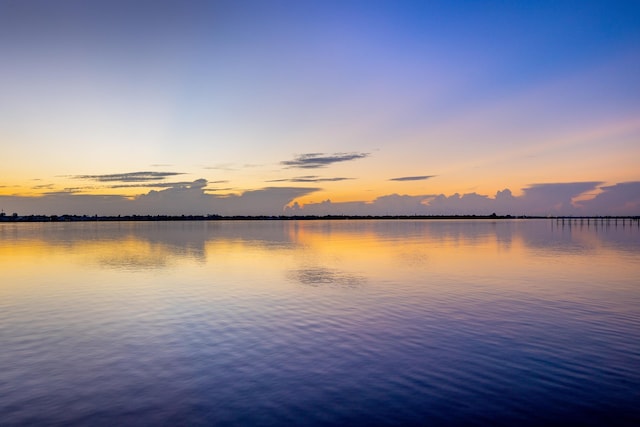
x: 129, y: 176
x: 65, y: 192
x: 412, y: 178
x: 309, y: 178
x: 77, y: 189
x: 215, y: 190
x: 42, y: 187
x: 320, y: 160
x: 152, y: 185
x: 222, y: 167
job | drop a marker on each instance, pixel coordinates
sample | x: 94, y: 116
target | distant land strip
x: 83, y: 218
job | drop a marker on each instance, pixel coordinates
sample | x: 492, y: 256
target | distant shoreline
x: 149, y: 218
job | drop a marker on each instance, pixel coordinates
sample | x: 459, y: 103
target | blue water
x: 320, y: 323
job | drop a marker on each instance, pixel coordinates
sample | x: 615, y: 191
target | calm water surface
x: 320, y: 323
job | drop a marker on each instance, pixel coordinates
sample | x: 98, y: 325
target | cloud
x: 152, y: 185
x: 185, y: 198
x: 195, y: 198
x: 70, y: 190
x: 265, y: 201
x: 222, y: 166
x: 216, y: 190
x: 59, y: 203
x: 65, y: 192
x: 320, y: 160
x: 309, y: 178
x: 129, y: 176
x: 537, y: 199
x: 618, y: 199
x: 412, y: 178
x: 553, y: 198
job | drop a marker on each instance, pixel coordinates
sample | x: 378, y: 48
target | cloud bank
x: 181, y: 199
x: 194, y: 198
x: 537, y: 199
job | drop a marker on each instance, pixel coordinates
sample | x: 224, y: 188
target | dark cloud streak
x: 309, y: 178
x: 215, y: 190
x: 320, y: 160
x: 129, y: 176
x: 412, y: 178
x: 152, y: 185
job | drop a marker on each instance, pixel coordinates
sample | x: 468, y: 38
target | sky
x: 319, y: 107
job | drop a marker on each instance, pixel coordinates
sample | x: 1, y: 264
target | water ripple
x: 372, y: 340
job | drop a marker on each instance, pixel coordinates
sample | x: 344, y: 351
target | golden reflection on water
x: 499, y: 254
x: 235, y: 312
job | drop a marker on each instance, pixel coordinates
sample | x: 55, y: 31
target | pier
x: 598, y: 221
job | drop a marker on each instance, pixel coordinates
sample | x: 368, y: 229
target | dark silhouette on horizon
x: 213, y: 217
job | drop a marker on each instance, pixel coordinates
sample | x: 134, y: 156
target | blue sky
x: 416, y: 100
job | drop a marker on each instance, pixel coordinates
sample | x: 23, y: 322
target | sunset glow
x: 345, y: 107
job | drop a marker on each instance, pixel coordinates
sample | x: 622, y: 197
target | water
x: 320, y: 323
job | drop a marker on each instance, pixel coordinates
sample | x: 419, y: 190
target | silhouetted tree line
x: 212, y: 217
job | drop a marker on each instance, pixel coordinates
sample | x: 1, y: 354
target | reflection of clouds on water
x: 410, y: 244
x: 132, y: 262
x: 413, y: 258
x: 321, y: 276
x: 162, y: 244
x: 141, y: 245
x: 137, y: 255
